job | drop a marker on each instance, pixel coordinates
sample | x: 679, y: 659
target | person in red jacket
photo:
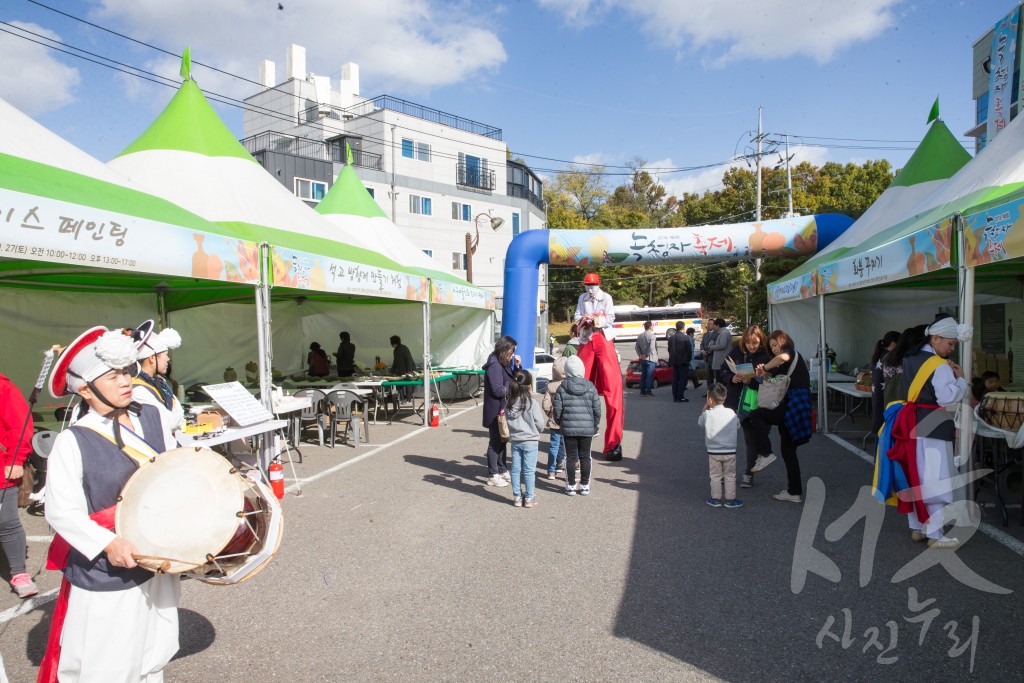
x: 15, y: 420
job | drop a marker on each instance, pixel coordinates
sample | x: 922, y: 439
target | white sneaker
x: 762, y: 462
x: 507, y: 476
x: 497, y: 480
x: 570, y: 489
x: 584, y: 489
x: 785, y: 495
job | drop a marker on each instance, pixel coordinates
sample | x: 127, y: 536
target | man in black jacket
x: 680, y: 353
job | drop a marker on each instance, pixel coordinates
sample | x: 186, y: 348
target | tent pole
x: 965, y: 285
x: 161, y: 306
x: 426, y: 356
x: 822, y: 369
x: 263, y: 344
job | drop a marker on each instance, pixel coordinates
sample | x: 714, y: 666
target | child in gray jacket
x: 526, y: 421
x: 577, y: 410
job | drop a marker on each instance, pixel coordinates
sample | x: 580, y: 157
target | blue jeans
x: 556, y: 450
x: 647, y: 376
x: 524, y: 462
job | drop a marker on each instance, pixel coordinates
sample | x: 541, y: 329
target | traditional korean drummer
x: 114, y: 621
x: 150, y: 386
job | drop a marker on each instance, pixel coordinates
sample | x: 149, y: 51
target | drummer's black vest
x: 105, y: 471
x: 944, y: 427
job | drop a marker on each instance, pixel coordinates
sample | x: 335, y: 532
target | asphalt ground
x: 399, y: 564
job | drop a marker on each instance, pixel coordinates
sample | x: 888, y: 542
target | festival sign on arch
x: 654, y: 246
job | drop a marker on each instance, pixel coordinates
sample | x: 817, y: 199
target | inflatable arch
x: 706, y: 243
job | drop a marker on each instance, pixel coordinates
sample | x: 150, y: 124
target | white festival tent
x: 190, y: 157
x: 76, y: 249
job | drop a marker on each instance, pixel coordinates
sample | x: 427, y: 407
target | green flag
x: 186, y: 64
x: 934, y: 113
x: 348, y: 154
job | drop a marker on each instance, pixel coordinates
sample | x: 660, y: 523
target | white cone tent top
x: 937, y: 158
x: 190, y: 157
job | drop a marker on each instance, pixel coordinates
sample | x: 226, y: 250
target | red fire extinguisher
x: 277, y: 479
x: 435, y: 415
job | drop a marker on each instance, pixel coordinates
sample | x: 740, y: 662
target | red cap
x: 591, y: 279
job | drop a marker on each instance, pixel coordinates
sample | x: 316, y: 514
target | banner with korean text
x: 44, y: 229
x: 304, y: 270
x: 923, y: 252
x: 1000, y: 84
x: 794, y: 289
x: 996, y: 234
x: 454, y: 294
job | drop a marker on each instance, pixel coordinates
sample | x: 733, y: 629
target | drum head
x: 182, y: 507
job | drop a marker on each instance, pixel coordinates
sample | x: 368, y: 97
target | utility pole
x: 789, y: 180
x: 757, y: 216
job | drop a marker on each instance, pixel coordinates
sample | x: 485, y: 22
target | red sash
x: 57, y: 558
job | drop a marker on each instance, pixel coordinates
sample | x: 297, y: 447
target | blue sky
x: 675, y: 82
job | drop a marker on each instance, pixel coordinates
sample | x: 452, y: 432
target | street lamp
x: 472, y: 242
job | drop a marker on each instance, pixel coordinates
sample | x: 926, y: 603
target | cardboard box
x: 216, y: 419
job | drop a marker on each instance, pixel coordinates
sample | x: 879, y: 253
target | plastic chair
x: 314, y: 414
x: 340, y: 405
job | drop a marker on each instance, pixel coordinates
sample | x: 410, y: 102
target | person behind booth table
x: 882, y: 348
x: 595, y: 316
x: 402, y: 364
x: 317, y: 362
x: 924, y: 430
x: 346, y: 355
x: 986, y: 384
x: 15, y: 423
x: 113, y: 620
x: 150, y: 386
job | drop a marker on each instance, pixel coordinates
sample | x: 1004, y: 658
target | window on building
x: 462, y: 212
x: 310, y: 190
x: 515, y: 223
x: 473, y: 171
x: 981, y: 112
x: 429, y: 252
x: 458, y: 260
x: 412, y: 149
x: 419, y: 205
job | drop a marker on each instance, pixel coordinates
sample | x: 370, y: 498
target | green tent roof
x: 938, y: 157
x: 348, y: 196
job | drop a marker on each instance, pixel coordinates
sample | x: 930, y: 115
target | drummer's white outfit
x: 127, y: 628
x: 148, y: 391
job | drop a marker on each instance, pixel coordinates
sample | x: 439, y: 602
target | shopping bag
x: 503, y: 426
x: 748, y: 402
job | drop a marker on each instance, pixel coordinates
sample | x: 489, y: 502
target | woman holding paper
x: 737, y: 373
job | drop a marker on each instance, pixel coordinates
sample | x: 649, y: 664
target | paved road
x: 403, y: 566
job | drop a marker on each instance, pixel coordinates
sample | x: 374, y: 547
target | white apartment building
x: 437, y: 175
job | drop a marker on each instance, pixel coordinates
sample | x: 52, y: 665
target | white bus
x: 629, y: 320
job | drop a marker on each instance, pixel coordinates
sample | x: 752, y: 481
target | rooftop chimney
x: 348, y: 88
x: 296, y: 62
x: 268, y: 74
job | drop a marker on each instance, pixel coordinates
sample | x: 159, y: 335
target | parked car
x: 543, y: 363
x: 662, y: 373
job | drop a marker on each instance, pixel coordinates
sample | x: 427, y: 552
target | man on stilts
x: 595, y: 316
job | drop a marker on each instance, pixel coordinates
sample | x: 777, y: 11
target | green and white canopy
x: 937, y: 158
x: 76, y: 247
x: 190, y: 157
x: 351, y: 209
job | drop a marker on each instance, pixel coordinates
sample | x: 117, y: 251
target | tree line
x: 580, y: 198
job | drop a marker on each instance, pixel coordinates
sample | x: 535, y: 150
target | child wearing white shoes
x: 576, y: 407
x: 720, y: 426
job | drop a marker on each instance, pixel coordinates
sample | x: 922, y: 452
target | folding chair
x: 314, y: 414
x: 348, y: 409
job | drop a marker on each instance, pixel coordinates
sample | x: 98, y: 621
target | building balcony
x: 521, y: 192
x: 475, y: 176
x: 395, y: 104
x: 321, y: 150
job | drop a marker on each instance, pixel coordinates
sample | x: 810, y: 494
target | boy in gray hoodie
x: 526, y: 421
x: 577, y: 410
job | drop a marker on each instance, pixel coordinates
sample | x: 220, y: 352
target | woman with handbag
x: 751, y: 351
x: 498, y: 371
x: 784, y: 400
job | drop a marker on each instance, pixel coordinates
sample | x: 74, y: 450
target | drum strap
x: 142, y: 454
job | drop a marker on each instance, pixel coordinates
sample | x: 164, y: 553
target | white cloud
x: 411, y: 45
x: 731, y: 30
x: 31, y: 78
x: 593, y: 158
